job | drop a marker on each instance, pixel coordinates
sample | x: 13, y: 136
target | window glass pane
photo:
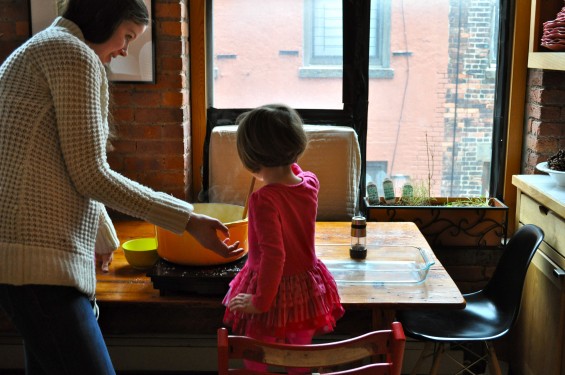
x: 264, y: 51
x: 432, y: 120
x: 432, y: 78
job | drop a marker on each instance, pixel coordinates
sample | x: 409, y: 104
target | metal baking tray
x: 383, y: 264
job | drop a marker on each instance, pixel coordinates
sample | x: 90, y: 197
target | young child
x: 284, y: 292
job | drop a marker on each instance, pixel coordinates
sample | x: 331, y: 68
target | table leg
x: 383, y: 318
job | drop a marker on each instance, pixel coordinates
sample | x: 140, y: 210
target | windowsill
x: 329, y: 71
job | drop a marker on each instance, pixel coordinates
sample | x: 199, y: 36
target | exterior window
x: 417, y: 81
x: 323, y: 33
x: 494, y: 34
x: 323, y: 39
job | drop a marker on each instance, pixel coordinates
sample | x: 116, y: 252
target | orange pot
x: 184, y: 249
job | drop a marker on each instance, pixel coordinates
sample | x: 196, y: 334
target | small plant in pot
x: 445, y: 221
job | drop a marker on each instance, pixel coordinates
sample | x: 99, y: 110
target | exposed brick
x: 169, y: 81
x: 542, y: 112
x: 172, y: 162
x: 159, y: 148
x: 137, y: 132
x: 15, y: 10
x: 170, y: 28
x: 22, y: 28
x: 553, y: 79
x: 546, y: 134
x: 121, y: 115
x: 534, y: 95
x: 168, y: 10
x: 120, y: 98
x: 552, y: 97
x: 124, y: 146
x: 547, y: 129
x: 163, y: 179
x: 116, y: 161
x: 158, y: 115
x: 142, y: 164
x: 173, y: 99
x: 171, y: 63
x: 174, y: 131
x: 542, y: 145
x: 146, y: 99
x: 169, y: 48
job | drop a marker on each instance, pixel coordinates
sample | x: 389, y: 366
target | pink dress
x: 292, y: 287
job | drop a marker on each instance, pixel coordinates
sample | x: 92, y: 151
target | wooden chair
x: 387, y: 344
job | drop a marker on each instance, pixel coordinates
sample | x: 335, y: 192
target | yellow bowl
x: 141, y: 253
x: 184, y: 249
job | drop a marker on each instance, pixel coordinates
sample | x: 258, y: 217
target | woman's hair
x: 98, y: 19
x: 270, y: 136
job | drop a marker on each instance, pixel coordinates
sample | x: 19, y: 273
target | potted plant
x: 447, y: 222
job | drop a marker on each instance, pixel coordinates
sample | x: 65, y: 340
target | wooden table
x: 437, y: 291
x: 130, y: 304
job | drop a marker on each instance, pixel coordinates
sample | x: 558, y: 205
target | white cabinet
x: 539, y: 336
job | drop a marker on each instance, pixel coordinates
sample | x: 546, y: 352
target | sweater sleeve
x: 78, y: 84
x: 106, y: 239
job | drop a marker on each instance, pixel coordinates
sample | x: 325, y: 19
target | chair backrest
x: 386, y: 344
x: 507, y: 283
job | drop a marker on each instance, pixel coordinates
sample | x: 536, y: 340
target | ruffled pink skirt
x: 308, y: 300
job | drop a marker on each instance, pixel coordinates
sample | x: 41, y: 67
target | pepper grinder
x: 358, y: 248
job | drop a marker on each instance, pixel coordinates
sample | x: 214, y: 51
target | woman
x: 55, y: 181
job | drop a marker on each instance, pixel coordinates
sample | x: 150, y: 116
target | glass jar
x: 358, y: 248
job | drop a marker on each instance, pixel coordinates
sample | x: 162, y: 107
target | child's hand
x: 242, y: 303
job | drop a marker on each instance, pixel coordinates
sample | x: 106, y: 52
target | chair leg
x: 494, y: 366
x: 437, y: 356
x: 426, y: 352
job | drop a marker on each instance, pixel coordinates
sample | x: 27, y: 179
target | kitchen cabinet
x: 539, y: 336
x: 538, y: 56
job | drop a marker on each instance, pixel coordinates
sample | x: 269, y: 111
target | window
x: 494, y: 35
x: 417, y: 80
x: 323, y: 39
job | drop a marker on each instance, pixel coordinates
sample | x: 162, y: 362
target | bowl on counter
x: 141, y: 253
x: 185, y: 250
x: 557, y: 176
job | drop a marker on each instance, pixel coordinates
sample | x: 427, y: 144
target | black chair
x: 489, y: 313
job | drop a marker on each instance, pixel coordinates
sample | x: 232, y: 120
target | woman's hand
x: 204, y: 229
x: 243, y: 303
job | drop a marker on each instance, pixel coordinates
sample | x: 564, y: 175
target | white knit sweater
x: 54, y: 177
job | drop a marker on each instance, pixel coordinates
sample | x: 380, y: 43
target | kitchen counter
x: 543, y: 189
x: 538, y: 339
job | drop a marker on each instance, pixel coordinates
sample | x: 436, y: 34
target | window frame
x: 506, y: 161
x: 379, y: 65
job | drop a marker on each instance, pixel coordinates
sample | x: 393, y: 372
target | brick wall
x: 151, y: 120
x: 14, y: 25
x: 468, y: 112
x: 544, y: 131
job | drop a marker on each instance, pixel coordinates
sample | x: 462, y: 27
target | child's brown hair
x: 270, y: 136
